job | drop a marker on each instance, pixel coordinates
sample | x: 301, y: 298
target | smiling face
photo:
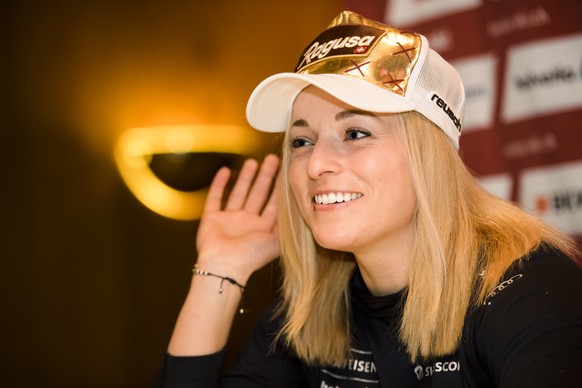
x: 349, y: 175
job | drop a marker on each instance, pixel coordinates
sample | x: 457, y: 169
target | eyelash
x: 360, y: 133
x: 294, y: 143
x: 357, y: 131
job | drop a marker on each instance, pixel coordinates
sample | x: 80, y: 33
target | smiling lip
x: 335, y: 197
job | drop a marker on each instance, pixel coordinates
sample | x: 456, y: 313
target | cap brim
x: 270, y: 105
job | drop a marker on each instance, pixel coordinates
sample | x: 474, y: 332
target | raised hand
x: 240, y: 238
x: 233, y: 241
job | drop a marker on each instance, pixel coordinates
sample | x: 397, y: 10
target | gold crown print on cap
x: 353, y: 45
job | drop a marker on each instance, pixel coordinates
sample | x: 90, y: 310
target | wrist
x: 201, y: 272
x: 227, y: 267
x: 224, y: 281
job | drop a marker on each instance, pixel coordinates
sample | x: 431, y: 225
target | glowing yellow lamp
x: 136, y: 148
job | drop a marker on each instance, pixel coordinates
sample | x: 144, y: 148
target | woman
x: 399, y: 269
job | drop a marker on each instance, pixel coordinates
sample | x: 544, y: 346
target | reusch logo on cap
x: 447, y: 109
x: 352, y: 40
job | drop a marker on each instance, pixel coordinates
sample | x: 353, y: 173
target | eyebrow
x: 343, y: 115
x: 300, y: 123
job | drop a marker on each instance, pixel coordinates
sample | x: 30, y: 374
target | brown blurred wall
x: 92, y: 280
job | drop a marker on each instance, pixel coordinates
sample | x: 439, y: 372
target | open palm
x: 241, y: 236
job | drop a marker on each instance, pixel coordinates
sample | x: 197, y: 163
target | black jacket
x: 527, y: 334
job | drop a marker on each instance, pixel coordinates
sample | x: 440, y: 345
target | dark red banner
x: 521, y: 63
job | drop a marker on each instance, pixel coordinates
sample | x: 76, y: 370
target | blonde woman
x: 399, y: 269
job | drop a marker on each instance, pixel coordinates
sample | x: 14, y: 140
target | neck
x: 385, y: 271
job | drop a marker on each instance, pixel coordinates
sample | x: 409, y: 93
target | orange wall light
x: 136, y: 147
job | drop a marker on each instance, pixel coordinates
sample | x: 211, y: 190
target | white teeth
x: 327, y: 199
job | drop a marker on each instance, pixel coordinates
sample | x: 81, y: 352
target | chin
x: 334, y: 244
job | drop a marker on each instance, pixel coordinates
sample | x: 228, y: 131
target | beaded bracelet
x: 197, y: 271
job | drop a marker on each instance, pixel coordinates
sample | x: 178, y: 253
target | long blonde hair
x: 461, y: 231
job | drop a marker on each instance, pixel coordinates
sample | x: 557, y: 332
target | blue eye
x: 299, y: 142
x: 356, y: 133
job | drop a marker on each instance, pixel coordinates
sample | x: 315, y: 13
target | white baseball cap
x: 370, y: 66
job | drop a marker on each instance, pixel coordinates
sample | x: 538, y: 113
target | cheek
x: 292, y: 176
x: 295, y: 177
x: 406, y: 192
x: 391, y: 175
x: 384, y: 169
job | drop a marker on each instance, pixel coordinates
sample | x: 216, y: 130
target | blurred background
x: 93, y: 269
x: 92, y: 279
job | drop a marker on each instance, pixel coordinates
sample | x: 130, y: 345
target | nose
x: 324, y: 160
